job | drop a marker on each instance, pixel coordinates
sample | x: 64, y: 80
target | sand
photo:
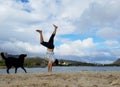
x: 62, y: 79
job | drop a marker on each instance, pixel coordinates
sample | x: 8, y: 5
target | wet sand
x: 62, y: 79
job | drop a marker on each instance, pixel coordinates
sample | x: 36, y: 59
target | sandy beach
x: 62, y: 79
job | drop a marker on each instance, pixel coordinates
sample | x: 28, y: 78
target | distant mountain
x: 90, y: 59
x: 63, y: 62
x: 42, y: 62
x: 117, y: 62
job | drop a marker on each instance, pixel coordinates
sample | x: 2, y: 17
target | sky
x: 88, y: 30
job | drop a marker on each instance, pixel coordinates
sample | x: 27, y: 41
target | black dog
x: 16, y: 62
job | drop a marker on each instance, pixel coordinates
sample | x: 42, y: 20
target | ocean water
x: 65, y: 69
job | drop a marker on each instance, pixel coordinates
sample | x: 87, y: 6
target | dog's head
x: 23, y: 56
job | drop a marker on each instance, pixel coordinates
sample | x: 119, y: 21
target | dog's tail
x: 3, y: 55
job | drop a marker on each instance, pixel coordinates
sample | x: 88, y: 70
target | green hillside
x: 42, y: 62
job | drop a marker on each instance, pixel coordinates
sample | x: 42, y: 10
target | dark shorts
x: 50, y: 43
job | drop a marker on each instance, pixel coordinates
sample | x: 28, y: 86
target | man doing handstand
x: 50, y: 47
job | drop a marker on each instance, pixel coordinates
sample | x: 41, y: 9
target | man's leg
x: 50, y: 66
x: 46, y: 44
x: 51, y: 40
x: 41, y: 36
x: 55, y: 29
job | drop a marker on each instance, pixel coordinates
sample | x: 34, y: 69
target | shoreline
x: 62, y: 79
x: 62, y: 69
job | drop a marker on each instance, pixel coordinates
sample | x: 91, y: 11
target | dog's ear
x: 2, y: 53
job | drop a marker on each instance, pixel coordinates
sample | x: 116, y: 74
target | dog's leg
x: 24, y: 69
x: 15, y: 69
x: 8, y: 70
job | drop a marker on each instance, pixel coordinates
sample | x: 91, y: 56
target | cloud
x: 112, y: 43
x: 114, y: 47
x: 108, y: 33
x: 72, y: 10
x: 17, y: 47
x: 78, y: 47
x: 99, y: 15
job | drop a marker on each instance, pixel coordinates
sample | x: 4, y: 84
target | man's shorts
x: 50, y: 56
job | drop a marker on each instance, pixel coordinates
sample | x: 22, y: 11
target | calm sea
x: 65, y: 69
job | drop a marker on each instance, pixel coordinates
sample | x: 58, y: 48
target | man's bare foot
x: 55, y: 26
x: 40, y: 31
